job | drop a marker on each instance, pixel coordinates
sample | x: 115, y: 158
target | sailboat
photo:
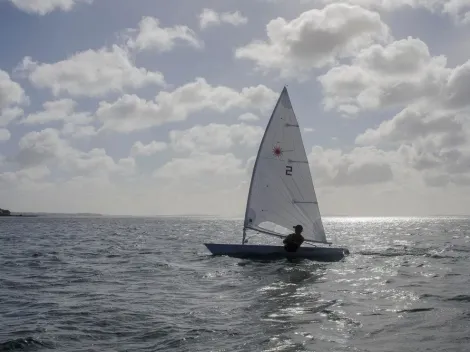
x: 282, y: 195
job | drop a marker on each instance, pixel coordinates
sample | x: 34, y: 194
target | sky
x: 151, y: 107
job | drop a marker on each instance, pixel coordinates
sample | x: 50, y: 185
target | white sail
x: 281, y: 193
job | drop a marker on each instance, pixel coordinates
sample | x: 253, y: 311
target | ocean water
x: 147, y: 284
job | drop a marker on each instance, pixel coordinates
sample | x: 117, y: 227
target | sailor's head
x: 298, y: 228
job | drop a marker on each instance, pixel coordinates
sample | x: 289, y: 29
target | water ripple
x: 141, y: 284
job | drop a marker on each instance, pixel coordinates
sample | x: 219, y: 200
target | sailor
x: 293, y: 241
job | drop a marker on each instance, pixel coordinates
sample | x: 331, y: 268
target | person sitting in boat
x: 293, y: 241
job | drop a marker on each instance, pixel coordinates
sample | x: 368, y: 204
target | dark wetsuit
x: 293, y: 242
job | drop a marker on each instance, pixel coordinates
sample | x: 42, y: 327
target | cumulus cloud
x: 78, y: 131
x: 361, y: 166
x: 9, y: 114
x: 415, y: 122
x: 24, y: 179
x: 215, y: 137
x: 457, y: 87
x: 38, y: 148
x: 46, y: 147
x: 315, y: 39
x: 438, y: 165
x: 433, y: 143
x: 380, y: 77
x: 75, y: 124
x: 150, y: 35
x: 57, y: 110
x: 399, y: 73
x: 43, y: 7
x: 201, y: 164
x: 35, y: 172
x: 457, y: 9
x: 203, y: 182
x: 11, y: 92
x: 248, y: 117
x: 90, y: 73
x: 210, y: 18
x: 147, y: 149
x: 130, y: 112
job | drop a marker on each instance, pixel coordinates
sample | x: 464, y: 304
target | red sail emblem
x: 277, y: 151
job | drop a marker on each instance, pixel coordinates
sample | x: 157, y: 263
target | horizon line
x: 224, y: 216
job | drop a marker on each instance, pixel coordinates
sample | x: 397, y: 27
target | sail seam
x: 292, y: 215
x: 291, y: 197
x: 297, y: 161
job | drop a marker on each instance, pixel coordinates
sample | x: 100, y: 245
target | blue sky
x: 392, y: 140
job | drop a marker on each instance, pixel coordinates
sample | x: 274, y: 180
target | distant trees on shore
x: 5, y: 212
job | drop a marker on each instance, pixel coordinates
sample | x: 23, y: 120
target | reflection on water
x: 150, y: 285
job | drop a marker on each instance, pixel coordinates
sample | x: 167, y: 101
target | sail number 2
x: 288, y: 170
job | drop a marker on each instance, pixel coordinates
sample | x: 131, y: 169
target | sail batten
x: 281, y: 190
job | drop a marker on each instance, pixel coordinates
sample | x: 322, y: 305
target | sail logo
x: 277, y: 151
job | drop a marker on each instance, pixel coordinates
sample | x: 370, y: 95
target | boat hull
x: 323, y: 254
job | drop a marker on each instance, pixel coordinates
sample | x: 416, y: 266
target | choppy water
x: 109, y: 284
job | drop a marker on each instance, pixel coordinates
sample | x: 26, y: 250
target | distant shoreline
x: 202, y: 216
x: 19, y: 215
x: 38, y: 214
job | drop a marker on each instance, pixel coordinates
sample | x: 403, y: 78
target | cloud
x: 438, y: 165
x: 215, y: 137
x: 248, y: 117
x: 147, y: 149
x: 46, y: 147
x: 308, y: 129
x: 457, y: 87
x: 43, y: 7
x: 96, y: 162
x: 315, y: 39
x: 415, y: 122
x: 151, y: 36
x: 131, y: 113
x: 400, y: 73
x: 58, y: 110
x: 23, y: 179
x: 75, y: 124
x: 202, y: 183
x: 201, y: 165
x: 77, y: 131
x: 430, y: 139
x: 38, y: 148
x: 34, y: 173
x: 10, y: 92
x: 361, y: 166
x: 9, y: 114
x: 90, y: 73
x: 457, y: 9
x: 4, y: 135
x: 433, y: 143
x: 210, y: 18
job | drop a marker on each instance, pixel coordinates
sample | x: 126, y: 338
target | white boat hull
x: 323, y: 254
